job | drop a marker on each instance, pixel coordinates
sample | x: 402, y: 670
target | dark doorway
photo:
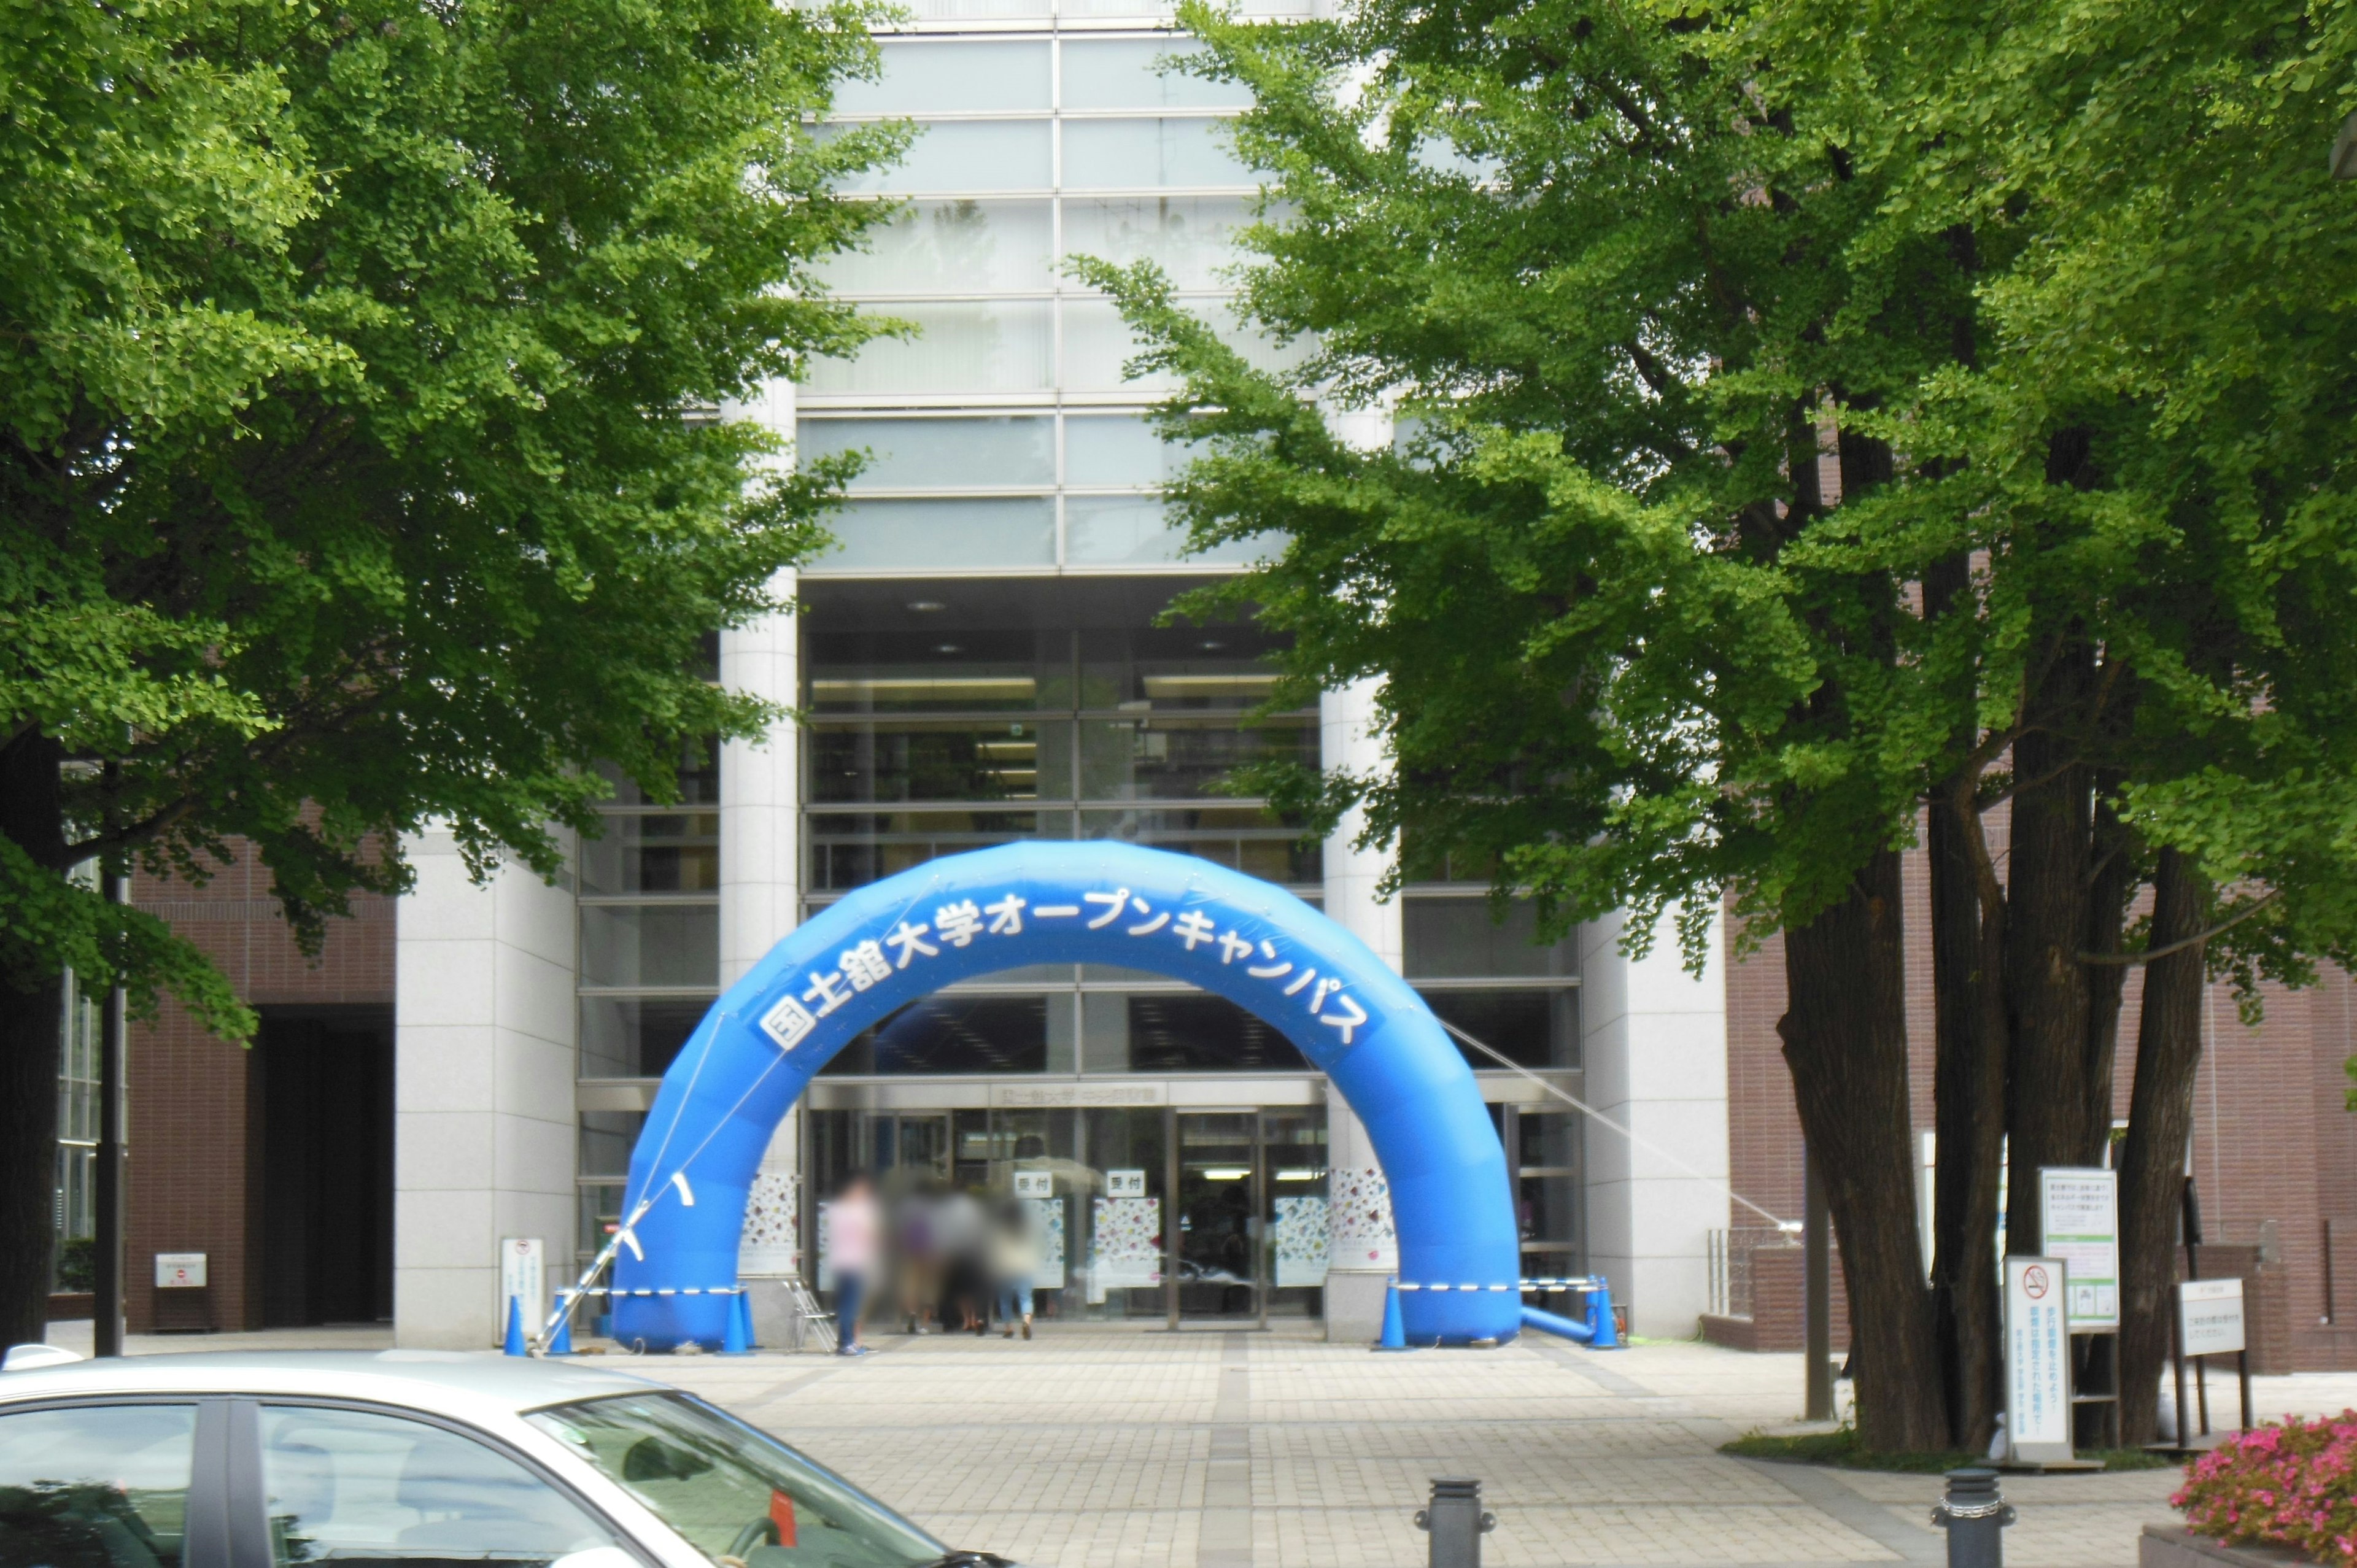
x: 326, y: 1138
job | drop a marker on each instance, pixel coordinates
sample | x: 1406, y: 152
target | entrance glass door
x: 918, y: 1144
x: 1219, y: 1210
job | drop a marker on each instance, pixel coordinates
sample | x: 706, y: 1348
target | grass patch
x: 1841, y: 1447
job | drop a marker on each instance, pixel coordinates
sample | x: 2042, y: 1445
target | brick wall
x: 1779, y: 1319
x: 2275, y: 1154
x: 193, y: 1181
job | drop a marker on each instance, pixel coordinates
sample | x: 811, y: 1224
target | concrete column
x: 484, y: 1127
x: 1655, y: 1042
x: 1363, y: 1246
x: 761, y: 891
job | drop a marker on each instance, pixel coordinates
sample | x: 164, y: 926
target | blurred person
x: 1013, y: 1259
x: 918, y: 1260
x: 962, y: 1231
x: 851, y: 1236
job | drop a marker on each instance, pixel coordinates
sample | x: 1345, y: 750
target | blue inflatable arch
x: 970, y: 915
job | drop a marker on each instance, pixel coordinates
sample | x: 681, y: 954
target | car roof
x: 472, y: 1384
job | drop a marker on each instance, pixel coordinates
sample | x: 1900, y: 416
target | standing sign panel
x: 522, y: 1278
x: 2210, y: 1317
x: 2036, y: 1360
x: 2079, y: 1216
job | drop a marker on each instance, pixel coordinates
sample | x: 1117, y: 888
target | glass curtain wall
x: 648, y: 958
x: 1005, y: 436
x: 948, y: 715
x: 1484, y: 971
x: 78, y: 1102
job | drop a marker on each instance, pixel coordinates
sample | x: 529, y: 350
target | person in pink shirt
x: 851, y: 1237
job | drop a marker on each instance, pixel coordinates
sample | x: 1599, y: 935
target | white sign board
x: 2210, y: 1317
x: 2079, y: 1216
x: 2036, y: 1360
x: 179, y: 1271
x: 1035, y: 1183
x: 522, y: 1278
x: 1125, y: 1184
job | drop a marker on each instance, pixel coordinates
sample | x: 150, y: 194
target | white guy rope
x: 1589, y: 1110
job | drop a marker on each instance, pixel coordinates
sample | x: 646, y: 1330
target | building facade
x: 984, y: 657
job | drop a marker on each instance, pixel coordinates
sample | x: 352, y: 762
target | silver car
x: 420, y: 1458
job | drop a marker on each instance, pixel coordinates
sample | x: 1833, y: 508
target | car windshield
x: 732, y: 1490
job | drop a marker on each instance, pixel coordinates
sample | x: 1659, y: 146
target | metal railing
x: 1729, y: 1255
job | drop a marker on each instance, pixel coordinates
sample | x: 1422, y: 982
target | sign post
x: 2037, y: 1362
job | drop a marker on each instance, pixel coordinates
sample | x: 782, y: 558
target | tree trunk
x: 1845, y: 1033
x: 2160, y: 1120
x: 29, y: 1017
x: 2046, y: 987
x: 2110, y: 887
x: 1968, y: 1090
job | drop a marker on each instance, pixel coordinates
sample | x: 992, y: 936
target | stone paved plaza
x: 1138, y: 1449
x: 1260, y: 1450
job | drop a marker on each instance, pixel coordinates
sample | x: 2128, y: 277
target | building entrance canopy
x: 965, y: 916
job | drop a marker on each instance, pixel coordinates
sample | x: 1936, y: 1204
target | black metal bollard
x: 1975, y: 1516
x: 1455, y: 1521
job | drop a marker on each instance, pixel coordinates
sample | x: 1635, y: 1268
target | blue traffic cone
x: 738, y: 1341
x: 514, y: 1343
x: 1394, y: 1331
x: 1603, y: 1327
x: 560, y: 1342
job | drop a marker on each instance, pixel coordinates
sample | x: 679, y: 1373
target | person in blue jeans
x: 851, y: 1240
x: 1014, y: 1259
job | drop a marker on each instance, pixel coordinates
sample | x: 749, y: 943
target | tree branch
x: 2196, y: 940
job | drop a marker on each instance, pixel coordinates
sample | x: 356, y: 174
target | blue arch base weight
x: 966, y: 915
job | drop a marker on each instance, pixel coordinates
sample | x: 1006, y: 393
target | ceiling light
x: 927, y: 607
x: 947, y: 647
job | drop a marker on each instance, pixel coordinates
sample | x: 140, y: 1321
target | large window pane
x: 1531, y: 1028
x: 942, y: 759
x: 893, y: 536
x: 1456, y: 938
x: 1139, y: 154
x: 937, y: 453
x: 1103, y: 530
x: 947, y: 668
x: 1179, y: 1032
x: 1000, y: 347
x: 636, y: 1037
x: 97, y: 1485
x: 852, y: 849
x: 671, y: 853
x: 1097, y: 345
x: 1127, y: 73
x: 1122, y: 449
x: 970, y: 154
x: 650, y: 944
x: 1221, y: 668
x: 606, y: 1139
x: 954, y: 1034
x: 1176, y: 757
x: 1190, y: 237
x: 956, y: 245
x: 1247, y: 838
x: 944, y: 78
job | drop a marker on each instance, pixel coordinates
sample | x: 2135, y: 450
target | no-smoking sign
x: 2034, y: 1282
